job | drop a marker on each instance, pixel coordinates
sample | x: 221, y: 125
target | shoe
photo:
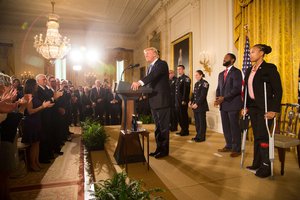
x: 179, y: 133
x: 252, y: 167
x: 184, y: 134
x: 264, y: 171
x: 34, y: 169
x: 160, y: 155
x: 224, y: 150
x: 59, y: 153
x: 153, y: 154
x: 198, y: 140
x: 235, y: 154
x: 45, y: 161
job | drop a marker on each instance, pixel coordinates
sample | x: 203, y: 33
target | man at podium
x: 157, y: 78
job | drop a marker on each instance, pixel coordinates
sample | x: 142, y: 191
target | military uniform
x: 173, y: 117
x: 199, y: 97
x: 182, y: 91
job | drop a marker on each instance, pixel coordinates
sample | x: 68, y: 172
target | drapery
x: 275, y: 23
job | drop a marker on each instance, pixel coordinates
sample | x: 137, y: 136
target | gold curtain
x: 275, y: 23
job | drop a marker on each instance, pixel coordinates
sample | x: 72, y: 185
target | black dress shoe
x: 179, y: 133
x: 160, y: 155
x: 153, y: 153
x: 184, y: 134
x: 199, y: 140
x: 59, y: 153
x: 45, y: 161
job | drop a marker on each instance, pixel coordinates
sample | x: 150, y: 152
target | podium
x: 129, y: 149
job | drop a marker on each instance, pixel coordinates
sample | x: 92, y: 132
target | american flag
x: 246, y: 63
x: 246, y: 59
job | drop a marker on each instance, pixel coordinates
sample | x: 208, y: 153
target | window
x: 61, y: 68
x: 120, y: 68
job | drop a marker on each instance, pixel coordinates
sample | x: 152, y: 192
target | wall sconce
x: 205, y: 59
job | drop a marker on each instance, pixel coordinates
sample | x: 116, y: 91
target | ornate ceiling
x: 113, y: 16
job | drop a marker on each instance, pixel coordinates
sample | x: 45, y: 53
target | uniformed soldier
x: 199, y: 106
x: 173, y: 117
x: 182, y: 91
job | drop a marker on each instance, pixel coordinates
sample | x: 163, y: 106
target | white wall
x: 210, y: 22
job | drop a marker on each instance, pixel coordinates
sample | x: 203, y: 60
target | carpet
x: 62, y: 179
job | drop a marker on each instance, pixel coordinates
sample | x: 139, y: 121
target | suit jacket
x: 158, y: 80
x: 267, y: 72
x: 230, y: 89
x: 94, y: 96
x: 199, y: 96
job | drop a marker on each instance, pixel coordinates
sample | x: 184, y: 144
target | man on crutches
x: 264, y: 93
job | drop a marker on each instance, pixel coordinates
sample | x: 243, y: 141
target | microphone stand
x: 128, y: 67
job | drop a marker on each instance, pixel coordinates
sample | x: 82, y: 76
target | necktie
x: 225, y: 74
x: 149, y: 69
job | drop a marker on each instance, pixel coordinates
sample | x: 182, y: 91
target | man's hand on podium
x: 135, y: 86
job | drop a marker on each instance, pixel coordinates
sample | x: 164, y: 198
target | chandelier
x: 54, y: 46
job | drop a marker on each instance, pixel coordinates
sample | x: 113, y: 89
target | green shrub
x: 146, y: 119
x: 118, y: 188
x: 94, y: 135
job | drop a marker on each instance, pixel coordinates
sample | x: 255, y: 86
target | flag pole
x: 245, y: 117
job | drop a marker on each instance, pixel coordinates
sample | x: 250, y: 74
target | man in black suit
x: 97, y: 97
x: 158, y: 79
x: 228, y: 97
x: 44, y: 94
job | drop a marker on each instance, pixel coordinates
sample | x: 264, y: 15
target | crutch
x: 271, y: 135
x: 245, y: 130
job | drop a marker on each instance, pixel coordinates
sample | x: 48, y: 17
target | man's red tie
x: 225, y: 74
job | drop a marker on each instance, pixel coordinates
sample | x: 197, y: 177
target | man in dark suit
x: 228, y: 97
x: 158, y: 79
x: 97, y: 97
x: 44, y: 94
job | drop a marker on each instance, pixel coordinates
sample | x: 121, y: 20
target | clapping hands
x: 47, y: 104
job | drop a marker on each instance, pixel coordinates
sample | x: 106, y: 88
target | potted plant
x: 94, y: 135
x: 121, y: 188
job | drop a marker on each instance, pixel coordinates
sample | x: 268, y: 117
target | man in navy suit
x: 228, y: 97
x: 97, y: 98
x: 158, y: 79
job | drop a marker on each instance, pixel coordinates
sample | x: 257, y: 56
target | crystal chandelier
x: 53, y: 47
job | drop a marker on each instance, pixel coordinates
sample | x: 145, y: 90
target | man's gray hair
x: 39, y: 76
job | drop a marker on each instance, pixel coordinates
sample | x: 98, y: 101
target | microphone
x: 134, y: 66
x: 129, y: 67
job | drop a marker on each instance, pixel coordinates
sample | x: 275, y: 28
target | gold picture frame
x: 181, y: 53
